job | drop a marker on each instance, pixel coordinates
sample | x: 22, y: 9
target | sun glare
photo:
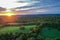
x: 9, y: 14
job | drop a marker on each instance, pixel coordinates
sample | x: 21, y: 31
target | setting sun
x: 9, y: 13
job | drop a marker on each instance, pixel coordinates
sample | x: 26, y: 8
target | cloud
x: 34, y: 6
x: 11, y: 4
x: 27, y: 8
x: 40, y: 10
x: 42, y: 7
x: 2, y: 9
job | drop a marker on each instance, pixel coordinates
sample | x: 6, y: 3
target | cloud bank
x: 37, y: 7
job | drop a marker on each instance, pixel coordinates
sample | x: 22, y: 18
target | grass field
x: 13, y: 29
x: 45, y: 32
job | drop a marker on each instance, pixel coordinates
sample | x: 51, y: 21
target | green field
x: 14, y: 29
x: 45, y: 32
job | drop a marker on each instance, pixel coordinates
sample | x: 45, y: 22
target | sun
x: 9, y: 14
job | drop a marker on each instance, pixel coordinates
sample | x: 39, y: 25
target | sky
x: 32, y: 6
